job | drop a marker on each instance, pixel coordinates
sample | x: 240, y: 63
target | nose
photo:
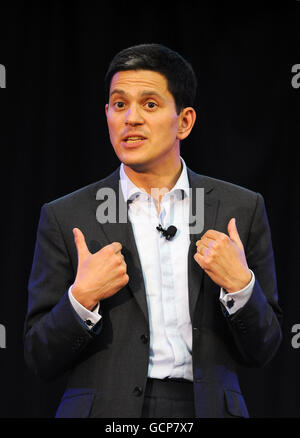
x: 133, y: 116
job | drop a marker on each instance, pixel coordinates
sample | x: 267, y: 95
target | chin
x: 135, y: 165
x: 135, y: 162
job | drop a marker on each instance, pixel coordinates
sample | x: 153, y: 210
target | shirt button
x: 230, y: 303
x: 138, y: 391
x: 145, y: 339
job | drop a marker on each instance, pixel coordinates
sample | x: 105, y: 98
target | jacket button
x: 145, y: 339
x: 138, y: 391
x: 241, y: 326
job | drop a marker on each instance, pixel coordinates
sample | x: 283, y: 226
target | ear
x: 106, y: 109
x: 186, y: 121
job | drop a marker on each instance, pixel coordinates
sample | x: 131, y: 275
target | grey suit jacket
x: 107, y: 366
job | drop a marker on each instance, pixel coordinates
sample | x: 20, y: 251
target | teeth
x: 134, y: 138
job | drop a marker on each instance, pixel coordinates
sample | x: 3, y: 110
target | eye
x: 151, y: 105
x: 119, y: 105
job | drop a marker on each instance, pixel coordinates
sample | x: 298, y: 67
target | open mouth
x: 133, y: 140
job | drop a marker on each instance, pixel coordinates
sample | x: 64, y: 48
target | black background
x: 54, y: 140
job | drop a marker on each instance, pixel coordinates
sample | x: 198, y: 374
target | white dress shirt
x: 165, y: 272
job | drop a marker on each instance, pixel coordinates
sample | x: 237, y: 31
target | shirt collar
x: 130, y: 190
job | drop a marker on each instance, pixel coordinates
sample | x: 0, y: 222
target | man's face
x: 142, y: 119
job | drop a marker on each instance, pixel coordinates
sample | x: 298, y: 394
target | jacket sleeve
x: 54, y: 335
x: 256, y: 327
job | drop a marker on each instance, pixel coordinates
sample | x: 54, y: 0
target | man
x: 145, y: 323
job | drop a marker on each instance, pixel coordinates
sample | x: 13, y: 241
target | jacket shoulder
x: 86, y: 193
x: 222, y: 188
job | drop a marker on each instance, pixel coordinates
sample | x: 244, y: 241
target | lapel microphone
x: 169, y: 232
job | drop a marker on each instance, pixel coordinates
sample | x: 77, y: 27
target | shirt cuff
x: 90, y: 318
x: 236, y: 300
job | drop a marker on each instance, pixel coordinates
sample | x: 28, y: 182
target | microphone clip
x: 169, y: 233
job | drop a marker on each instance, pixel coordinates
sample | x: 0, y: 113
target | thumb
x: 233, y: 233
x: 82, y: 249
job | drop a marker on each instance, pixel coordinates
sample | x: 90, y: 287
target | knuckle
x: 118, y: 260
x: 215, y: 245
x: 209, y: 260
x: 212, y: 254
x: 205, y: 265
x: 123, y: 269
x: 124, y: 280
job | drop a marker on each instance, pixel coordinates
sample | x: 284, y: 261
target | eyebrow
x: 143, y: 94
x: 117, y: 91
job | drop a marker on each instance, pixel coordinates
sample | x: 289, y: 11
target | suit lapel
x: 211, y: 204
x: 121, y: 231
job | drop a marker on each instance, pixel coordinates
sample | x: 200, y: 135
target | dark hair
x: 181, y: 78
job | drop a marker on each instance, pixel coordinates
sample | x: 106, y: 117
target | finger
x: 200, y: 249
x: 125, y: 265
x: 122, y: 259
x: 212, y: 234
x: 204, y: 247
x: 206, y: 242
x: 82, y: 249
x: 233, y: 233
x: 199, y: 259
x: 117, y: 247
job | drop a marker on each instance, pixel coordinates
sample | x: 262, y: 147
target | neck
x: 155, y: 178
x: 156, y: 181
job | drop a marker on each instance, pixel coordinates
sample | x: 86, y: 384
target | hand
x: 223, y: 258
x: 99, y: 275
